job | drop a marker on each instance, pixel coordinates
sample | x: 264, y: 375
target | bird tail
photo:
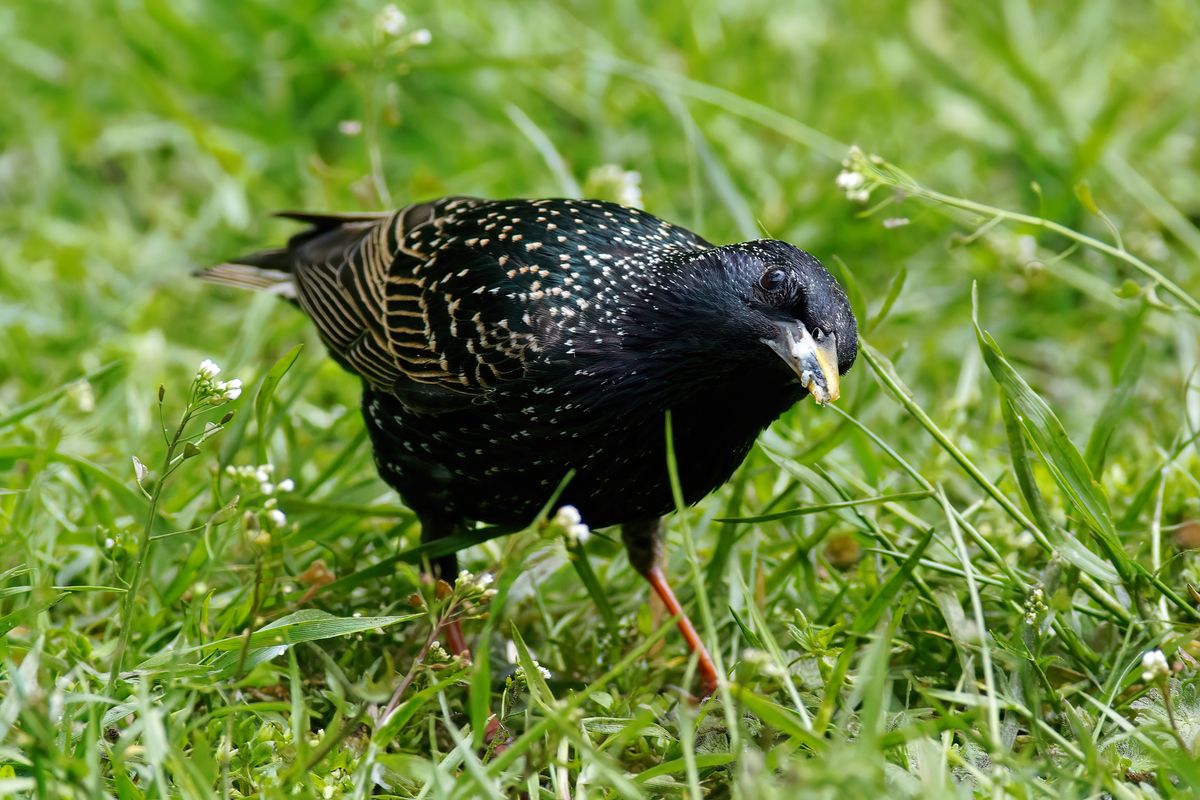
x: 264, y: 271
x: 271, y: 270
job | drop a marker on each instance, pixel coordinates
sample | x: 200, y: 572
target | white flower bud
x: 578, y: 533
x: 847, y: 180
x: 231, y: 390
x: 567, y: 516
x: 391, y: 20
x: 1154, y: 666
x: 208, y: 370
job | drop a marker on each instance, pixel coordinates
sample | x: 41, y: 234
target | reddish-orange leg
x: 643, y: 543
x: 708, y: 670
x: 455, y: 643
x: 444, y: 568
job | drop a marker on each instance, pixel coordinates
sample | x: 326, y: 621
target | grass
x: 943, y: 586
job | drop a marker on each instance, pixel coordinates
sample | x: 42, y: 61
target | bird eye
x: 772, y: 280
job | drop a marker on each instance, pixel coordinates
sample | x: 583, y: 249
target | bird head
x: 768, y: 306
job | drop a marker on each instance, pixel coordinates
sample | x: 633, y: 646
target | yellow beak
x: 814, y: 360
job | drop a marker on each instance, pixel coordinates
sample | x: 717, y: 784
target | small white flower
x: 847, y: 180
x: 852, y: 179
x: 350, y: 127
x: 231, y: 390
x: 139, y: 470
x: 567, y: 516
x: 614, y: 180
x: 578, y: 534
x: 519, y: 672
x: 631, y: 192
x: 277, y: 517
x: 1035, y: 605
x: 477, y: 583
x: 420, y: 37
x: 208, y: 370
x: 83, y: 395
x: 262, y: 473
x: 1154, y: 666
x: 391, y: 20
x: 109, y: 543
x: 286, y: 485
x: 267, y: 488
x: 568, y: 520
x: 761, y: 662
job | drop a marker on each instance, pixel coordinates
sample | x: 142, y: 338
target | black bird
x: 505, y: 343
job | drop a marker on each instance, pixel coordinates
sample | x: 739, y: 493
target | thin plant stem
x: 144, y: 544
x: 886, y: 174
x: 1165, y: 688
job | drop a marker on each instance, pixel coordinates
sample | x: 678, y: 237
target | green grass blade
x: 1066, y: 465
x: 583, y: 568
x: 47, y: 399
x: 820, y: 508
x: 262, y: 400
x: 1115, y: 410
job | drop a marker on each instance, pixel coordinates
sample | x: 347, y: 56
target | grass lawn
x: 952, y: 583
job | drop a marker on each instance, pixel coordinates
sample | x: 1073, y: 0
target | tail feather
x: 324, y: 222
x: 267, y: 271
x: 271, y: 270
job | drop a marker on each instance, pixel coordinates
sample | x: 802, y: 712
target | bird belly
x: 502, y: 465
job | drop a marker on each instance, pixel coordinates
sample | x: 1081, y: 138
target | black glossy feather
x: 504, y: 343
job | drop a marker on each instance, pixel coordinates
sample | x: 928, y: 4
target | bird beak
x: 814, y: 361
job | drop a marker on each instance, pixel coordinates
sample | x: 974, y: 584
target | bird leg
x: 643, y: 543
x: 445, y: 568
x: 455, y: 641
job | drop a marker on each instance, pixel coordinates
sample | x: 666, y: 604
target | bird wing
x: 503, y: 285
x: 346, y: 270
x: 439, y: 302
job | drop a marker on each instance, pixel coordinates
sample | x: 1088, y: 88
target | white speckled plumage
x: 504, y: 343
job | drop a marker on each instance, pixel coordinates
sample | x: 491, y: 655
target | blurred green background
x: 142, y: 140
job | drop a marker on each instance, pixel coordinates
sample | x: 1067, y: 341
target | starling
x: 503, y: 344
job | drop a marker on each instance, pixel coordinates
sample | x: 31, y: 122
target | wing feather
x: 439, y: 302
